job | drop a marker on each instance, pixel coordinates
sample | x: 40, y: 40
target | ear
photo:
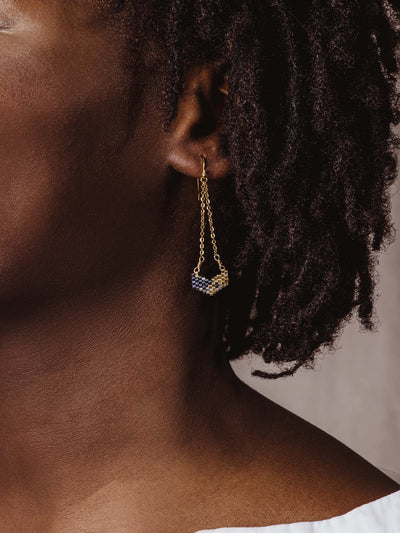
x: 197, y: 128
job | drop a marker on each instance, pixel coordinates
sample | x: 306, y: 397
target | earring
x: 221, y: 280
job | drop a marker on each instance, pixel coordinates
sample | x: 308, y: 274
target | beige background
x: 353, y: 394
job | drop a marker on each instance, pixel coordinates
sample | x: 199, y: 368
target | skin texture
x: 115, y: 414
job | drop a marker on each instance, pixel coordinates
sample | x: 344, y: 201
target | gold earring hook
x: 204, y: 165
x: 203, y: 175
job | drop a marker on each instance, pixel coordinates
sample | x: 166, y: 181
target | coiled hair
x: 309, y: 127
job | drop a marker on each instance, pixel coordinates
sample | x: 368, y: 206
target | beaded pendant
x: 210, y: 286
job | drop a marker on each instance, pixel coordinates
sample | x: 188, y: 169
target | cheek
x: 63, y: 117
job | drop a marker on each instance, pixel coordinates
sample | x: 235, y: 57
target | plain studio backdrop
x: 353, y: 393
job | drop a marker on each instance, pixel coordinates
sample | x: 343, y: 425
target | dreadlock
x: 308, y: 126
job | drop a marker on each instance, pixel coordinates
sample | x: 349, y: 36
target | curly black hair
x: 308, y: 123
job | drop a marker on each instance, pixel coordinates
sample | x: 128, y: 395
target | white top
x: 379, y: 516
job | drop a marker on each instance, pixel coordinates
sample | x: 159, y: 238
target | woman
x: 119, y: 408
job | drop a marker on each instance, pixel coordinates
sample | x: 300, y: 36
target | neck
x: 129, y: 375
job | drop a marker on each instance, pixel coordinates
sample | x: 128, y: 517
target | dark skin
x: 115, y: 415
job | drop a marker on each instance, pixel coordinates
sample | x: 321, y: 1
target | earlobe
x: 196, y: 130
x: 185, y: 158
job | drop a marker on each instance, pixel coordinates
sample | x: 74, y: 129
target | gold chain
x: 205, y: 204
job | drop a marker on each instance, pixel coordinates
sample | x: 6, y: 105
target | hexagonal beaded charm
x: 210, y: 286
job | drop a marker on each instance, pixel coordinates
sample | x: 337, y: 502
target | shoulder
x: 381, y: 515
x: 298, y: 472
